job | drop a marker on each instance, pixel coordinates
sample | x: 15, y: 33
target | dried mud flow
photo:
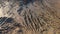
x: 29, y: 16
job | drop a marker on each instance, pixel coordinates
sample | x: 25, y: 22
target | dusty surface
x: 29, y: 16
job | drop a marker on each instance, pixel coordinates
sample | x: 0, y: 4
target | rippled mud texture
x: 29, y: 16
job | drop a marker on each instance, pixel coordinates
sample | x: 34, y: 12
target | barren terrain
x: 29, y: 16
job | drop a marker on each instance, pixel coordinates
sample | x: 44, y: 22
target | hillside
x: 29, y: 16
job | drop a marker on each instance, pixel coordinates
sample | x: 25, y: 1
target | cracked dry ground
x: 30, y: 17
